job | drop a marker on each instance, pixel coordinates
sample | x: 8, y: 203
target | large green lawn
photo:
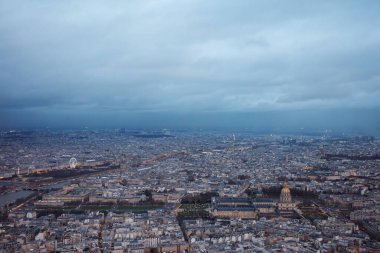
x: 142, y: 208
x: 194, y: 207
x: 193, y: 210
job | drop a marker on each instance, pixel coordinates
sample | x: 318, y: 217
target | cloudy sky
x: 130, y: 57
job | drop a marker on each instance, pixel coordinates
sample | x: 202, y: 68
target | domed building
x: 285, y: 196
x: 286, y: 202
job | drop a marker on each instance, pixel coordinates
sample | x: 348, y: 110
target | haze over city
x: 213, y: 64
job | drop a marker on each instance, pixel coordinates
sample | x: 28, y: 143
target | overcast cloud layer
x: 186, y: 56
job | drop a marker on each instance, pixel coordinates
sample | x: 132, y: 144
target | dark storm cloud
x: 189, y: 55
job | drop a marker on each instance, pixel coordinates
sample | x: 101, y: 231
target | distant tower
x: 286, y: 199
x: 233, y: 143
x: 322, y: 151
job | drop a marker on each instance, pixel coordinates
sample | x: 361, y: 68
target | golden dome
x: 285, y: 188
x: 285, y: 196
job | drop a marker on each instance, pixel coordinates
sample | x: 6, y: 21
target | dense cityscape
x: 191, y: 126
x: 126, y: 190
